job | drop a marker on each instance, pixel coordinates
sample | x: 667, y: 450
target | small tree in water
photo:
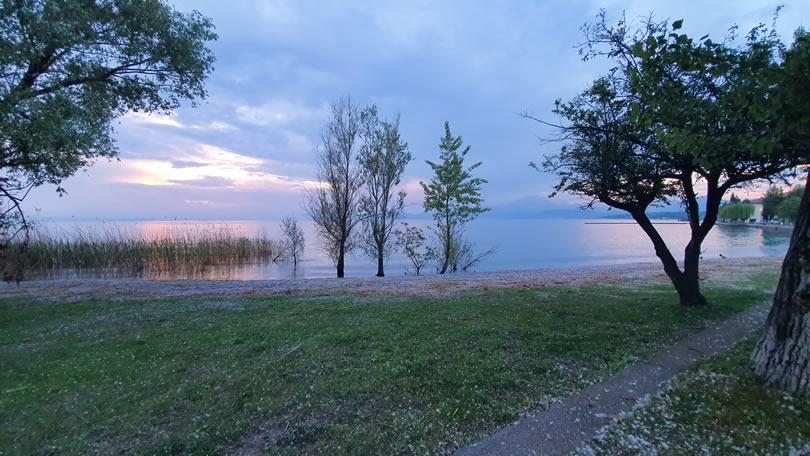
x: 333, y: 206
x: 453, y: 196
x: 293, y: 242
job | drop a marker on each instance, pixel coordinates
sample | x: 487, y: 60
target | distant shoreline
x: 765, y: 226
x: 634, y: 223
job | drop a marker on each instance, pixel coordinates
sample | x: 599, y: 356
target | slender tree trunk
x: 341, y: 259
x: 689, y: 290
x: 447, y: 241
x: 447, y: 247
x: 782, y: 357
x: 687, y: 282
x: 380, y: 268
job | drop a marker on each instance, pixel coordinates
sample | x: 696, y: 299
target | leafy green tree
x: 737, y: 211
x: 782, y: 356
x: 383, y: 157
x: 68, y: 68
x: 788, y: 208
x: 453, y: 195
x: 676, y: 115
x: 770, y: 202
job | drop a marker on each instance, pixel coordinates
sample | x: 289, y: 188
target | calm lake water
x: 518, y: 244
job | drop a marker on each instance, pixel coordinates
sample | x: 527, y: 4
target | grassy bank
x: 718, y: 407
x: 339, y: 374
x: 189, y: 250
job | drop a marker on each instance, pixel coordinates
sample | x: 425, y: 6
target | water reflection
x: 767, y: 241
x: 520, y: 244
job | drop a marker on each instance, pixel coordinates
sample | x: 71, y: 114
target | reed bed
x: 181, y: 249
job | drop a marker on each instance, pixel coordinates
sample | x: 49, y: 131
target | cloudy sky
x: 248, y: 150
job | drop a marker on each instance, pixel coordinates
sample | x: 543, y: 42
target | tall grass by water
x: 186, y: 249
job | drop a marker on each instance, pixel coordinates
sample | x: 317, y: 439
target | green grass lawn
x: 718, y: 407
x: 337, y: 374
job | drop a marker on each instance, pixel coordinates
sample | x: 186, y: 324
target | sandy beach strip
x: 714, y: 270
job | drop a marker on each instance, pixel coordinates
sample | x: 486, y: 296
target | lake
x: 518, y: 244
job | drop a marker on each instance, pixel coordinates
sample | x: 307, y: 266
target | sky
x: 248, y: 150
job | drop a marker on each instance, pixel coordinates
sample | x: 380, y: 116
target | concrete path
x: 571, y: 423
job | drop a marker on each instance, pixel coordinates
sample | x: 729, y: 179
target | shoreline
x: 764, y: 226
x: 73, y: 290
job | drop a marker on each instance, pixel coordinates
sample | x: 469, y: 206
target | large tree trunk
x: 341, y: 259
x: 782, y: 357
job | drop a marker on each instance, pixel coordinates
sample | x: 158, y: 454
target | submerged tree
x: 292, y: 244
x: 383, y: 157
x: 453, y: 195
x: 69, y: 68
x: 674, y: 116
x: 333, y: 205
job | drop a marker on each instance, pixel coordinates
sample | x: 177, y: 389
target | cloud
x: 205, y: 181
x: 279, y: 112
x: 209, y: 166
x: 187, y: 164
x: 152, y: 119
x: 215, y: 125
x: 476, y: 65
x: 198, y: 202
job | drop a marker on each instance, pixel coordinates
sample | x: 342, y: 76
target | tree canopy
x: 737, y: 211
x: 68, y: 68
x: 770, y: 202
x: 676, y: 114
x: 788, y: 208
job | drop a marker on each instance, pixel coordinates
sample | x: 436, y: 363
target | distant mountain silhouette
x: 541, y: 207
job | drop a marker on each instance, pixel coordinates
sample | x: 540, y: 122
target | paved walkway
x: 571, y: 423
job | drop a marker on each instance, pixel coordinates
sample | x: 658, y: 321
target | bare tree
x: 412, y: 241
x: 293, y: 239
x: 383, y: 157
x: 333, y: 205
x: 464, y: 256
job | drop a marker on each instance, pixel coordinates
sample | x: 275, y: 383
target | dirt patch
x: 282, y: 433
